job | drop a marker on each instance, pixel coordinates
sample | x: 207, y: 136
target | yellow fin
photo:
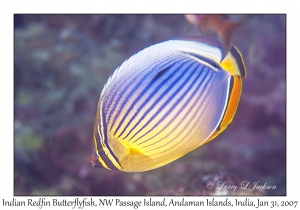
x: 234, y: 63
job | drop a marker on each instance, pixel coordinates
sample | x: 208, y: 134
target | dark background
x: 61, y: 63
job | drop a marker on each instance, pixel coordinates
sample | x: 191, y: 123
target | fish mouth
x: 94, y: 161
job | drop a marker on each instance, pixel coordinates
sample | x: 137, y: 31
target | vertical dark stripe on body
x: 203, y: 83
x: 192, y: 84
x: 98, y: 119
x: 113, y: 96
x: 196, y: 120
x: 125, y: 89
x: 166, y: 91
x: 133, y: 104
x: 165, y: 103
x: 145, y: 102
x: 99, y: 147
x: 181, y: 98
x: 103, y: 156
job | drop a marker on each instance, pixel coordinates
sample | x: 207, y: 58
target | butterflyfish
x: 165, y: 101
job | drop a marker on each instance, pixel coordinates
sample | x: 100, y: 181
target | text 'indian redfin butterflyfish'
x: 166, y: 101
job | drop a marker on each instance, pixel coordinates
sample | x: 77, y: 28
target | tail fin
x: 234, y: 63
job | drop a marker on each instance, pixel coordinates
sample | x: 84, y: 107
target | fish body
x: 164, y: 102
x: 217, y: 26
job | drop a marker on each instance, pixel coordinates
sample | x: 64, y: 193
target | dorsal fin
x: 201, y: 45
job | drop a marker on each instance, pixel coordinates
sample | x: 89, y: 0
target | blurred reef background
x: 61, y: 63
